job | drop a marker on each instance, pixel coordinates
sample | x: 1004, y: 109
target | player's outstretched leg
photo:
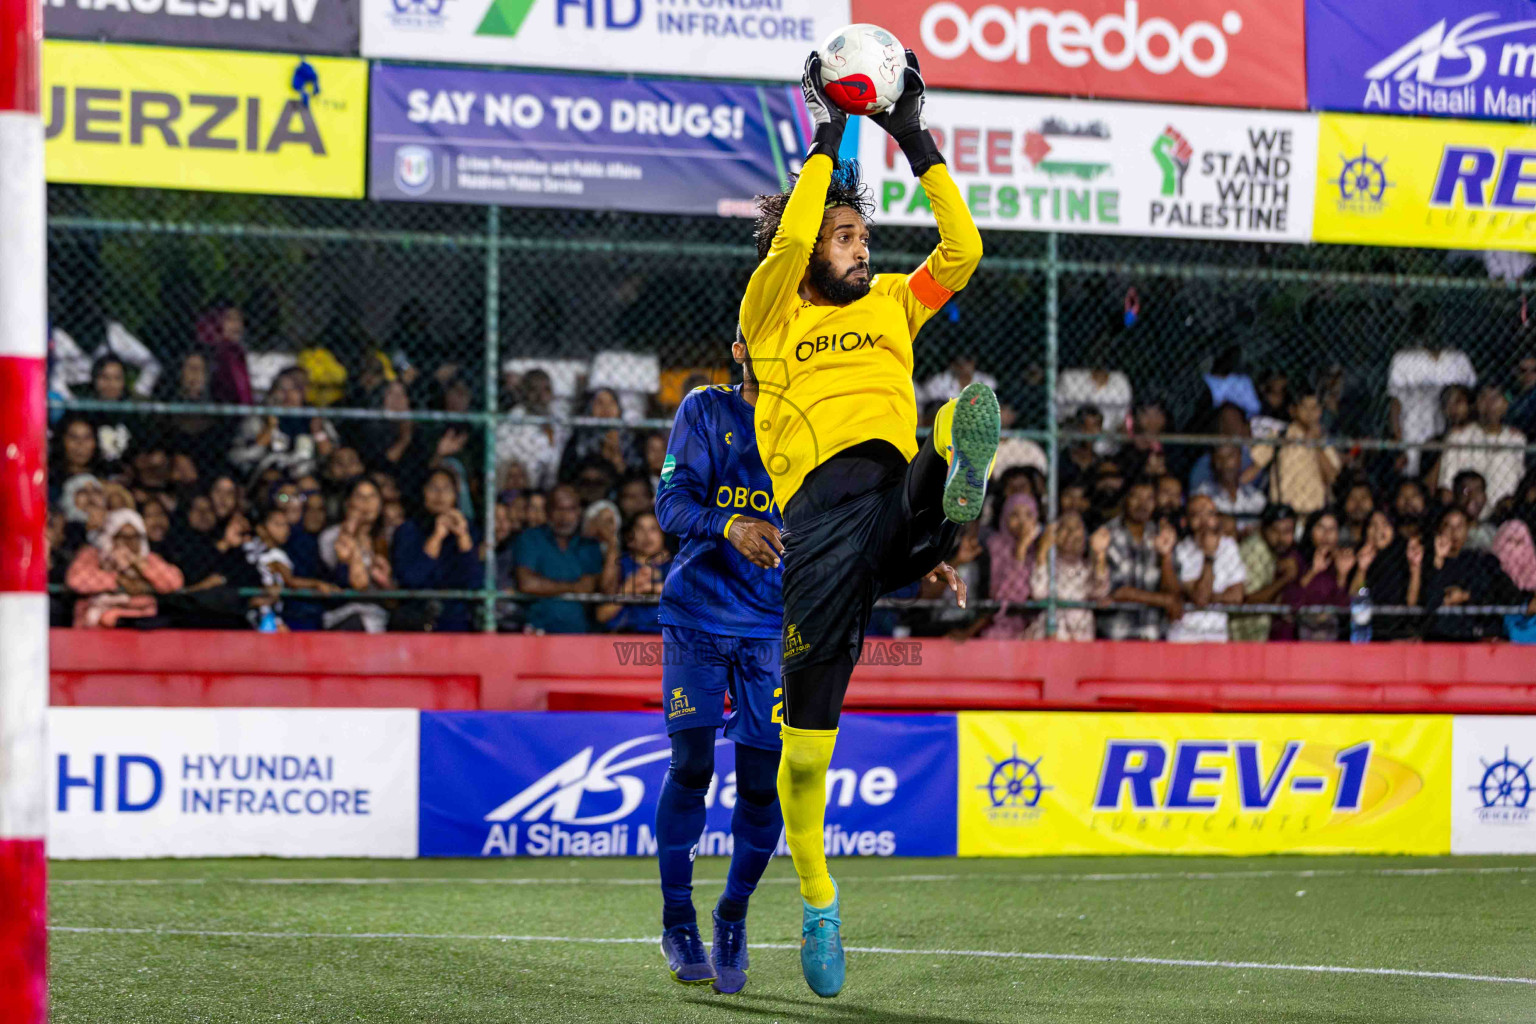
x: 755, y: 827
x: 965, y: 432
x: 679, y: 822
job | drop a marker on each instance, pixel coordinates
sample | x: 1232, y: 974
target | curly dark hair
x: 846, y: 189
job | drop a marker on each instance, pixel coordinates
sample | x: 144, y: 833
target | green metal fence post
x: 1052, y: 353
x: 488, y: 421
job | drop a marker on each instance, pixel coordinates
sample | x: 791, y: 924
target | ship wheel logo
x: 1363, y: 179
x: 1015, y: 782
x: 1505, y: 783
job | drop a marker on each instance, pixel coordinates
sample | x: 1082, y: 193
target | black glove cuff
x: 920, y: 151
x: 828, y: 140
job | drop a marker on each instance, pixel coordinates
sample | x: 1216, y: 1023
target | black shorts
x: 864, y: 523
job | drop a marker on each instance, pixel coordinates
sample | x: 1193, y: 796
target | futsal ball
x: 861, y: 69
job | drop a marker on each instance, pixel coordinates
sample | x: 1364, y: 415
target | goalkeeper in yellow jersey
x: 865, y: 509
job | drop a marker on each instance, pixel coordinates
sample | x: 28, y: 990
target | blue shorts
x: 698, y: 669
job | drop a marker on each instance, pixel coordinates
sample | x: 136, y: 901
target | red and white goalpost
x: 23, y: 497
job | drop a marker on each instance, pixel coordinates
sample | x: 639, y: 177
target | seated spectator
x: 1231, y: 422
x: 157, y: 525
x: 636, y: 496
x: 190, y: 542
x: 617, y: 445
x: 1460, y: 576
x: 84, y: 503
x: 1390, y: 567
x: 1303, y: 475
x: 266, y: 550
x: 392, y: 446
x: 118, y: 496
x: 354, y: 554
x: 941, y: 387
x: 1359, y: 503
x: 1226, y: 384
x: 1141, y: 569
x: 554, y: 560
x: 536, y: 445
x: 1210, y: 572
x: 1522, y: 408
x: 642, y: 571
x: 73, y: 451
x: 1409, y: 505
x: 60, y: 613
x: 1469, y: 493
x: 1075, y: 498
x: 1170, y: 500
x: 600, y: 521
x: 593, y: 480
x: 511, y: 519
x: 221, y: 332
x: 1079, y: 457
x: 1099, y: 387
x: 1501, y: 467
x: 1516, y: 552
x: 183, y: 478
x: 438, y: 550
x: 1455, y: 413
x: 1275, y: 402
x: 1416, y: 380
x: 1012, y: 551
x: 1080, y: 576
x: 1267, y: 559
x: 118, y: 576
x: 294, y: 445
x: 1322, y: 571
x: 655, y: 456
x: 150, y: 467
x: 192, y: 431
x: 114, y: 431
x: 74, y: 366
x: 1242, y: 502
x: 225, y: 496
x: 1149, y: 421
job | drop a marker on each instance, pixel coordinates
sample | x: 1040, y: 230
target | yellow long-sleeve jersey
x: 833, y: 376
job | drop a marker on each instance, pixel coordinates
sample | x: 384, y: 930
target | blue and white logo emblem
x: 413, y: 169
x: 1505, y: 790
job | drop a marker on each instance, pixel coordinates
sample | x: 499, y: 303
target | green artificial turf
x: 446, y: 947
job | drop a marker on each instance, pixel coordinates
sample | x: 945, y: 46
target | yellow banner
x: 204, y: 119
x: 1425, y: 181
x: 1048, y: 783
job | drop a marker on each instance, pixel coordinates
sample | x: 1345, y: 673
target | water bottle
x: 1360, y: 617
x: 268, y: 623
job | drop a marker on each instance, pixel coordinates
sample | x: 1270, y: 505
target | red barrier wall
x: 446, y: 672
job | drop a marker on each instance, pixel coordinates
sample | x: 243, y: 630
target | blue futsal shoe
x: 728, y: 954
x: 821, y: 948
x: 684, y: 949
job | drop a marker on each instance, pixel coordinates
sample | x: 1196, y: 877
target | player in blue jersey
x: 721, y: 624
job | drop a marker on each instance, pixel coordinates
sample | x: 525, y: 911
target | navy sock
x: 756, y: 824
x: 680, y: 821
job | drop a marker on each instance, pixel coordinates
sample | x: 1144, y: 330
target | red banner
x: 1244, y: 53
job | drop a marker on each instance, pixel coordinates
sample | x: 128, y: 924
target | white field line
x: 985, y: 954
x: 1025, y: 877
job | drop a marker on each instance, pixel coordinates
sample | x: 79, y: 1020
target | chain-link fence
x: 313, y: 405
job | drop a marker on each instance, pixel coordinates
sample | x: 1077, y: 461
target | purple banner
x: 452, y: 135
x: 1430, y: 58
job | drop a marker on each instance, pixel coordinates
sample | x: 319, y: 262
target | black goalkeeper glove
x: 828, y: 119
x: 906, y: 124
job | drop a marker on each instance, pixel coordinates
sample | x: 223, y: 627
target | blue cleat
x: 821, y: 948
x: 728, y: 954
x: 684, y: 949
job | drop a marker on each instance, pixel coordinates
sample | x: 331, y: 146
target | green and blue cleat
x: 970, y: 435
x: 821, y: 948
x: 684, y: 949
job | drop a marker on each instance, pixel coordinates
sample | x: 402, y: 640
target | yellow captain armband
x: 728, y: 523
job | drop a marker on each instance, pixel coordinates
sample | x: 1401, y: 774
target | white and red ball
x: 862, y: 67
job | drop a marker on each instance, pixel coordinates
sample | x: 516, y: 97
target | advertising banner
x: 765, y: 39
x: 1493, y: 773
x: 448, y: 134
x: 1429, y: 58
x: 1113, y: 168
x: 1436, y: 183
x: 204, y: 119
x: 1203, y: 784
x: 1230, y: 53
x: 584, y: 784
x: 302, y: 26
x: 231, y: 782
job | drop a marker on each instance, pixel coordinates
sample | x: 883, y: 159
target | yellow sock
x: 803, y: 798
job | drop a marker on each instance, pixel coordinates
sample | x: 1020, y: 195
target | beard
x: 841, y: 290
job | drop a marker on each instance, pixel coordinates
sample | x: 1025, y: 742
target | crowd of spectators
x: 201, y: 519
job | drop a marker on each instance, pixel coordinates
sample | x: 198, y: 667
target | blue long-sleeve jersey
x: 713, y: 472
